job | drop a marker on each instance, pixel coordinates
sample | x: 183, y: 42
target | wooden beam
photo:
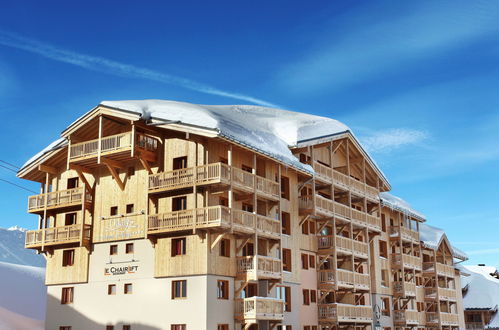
x: 85, y: 181
x: 80, y: 168
x: 240, y: 247
x: 145, y: 163
x: 115, y: 174
x: 241, y: 288
x: 113, y: 163
x: 47, y: 169
x: 304, y: 219
x: 218, y: 239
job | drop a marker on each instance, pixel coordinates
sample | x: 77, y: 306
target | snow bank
x: 13, y: 321
x: 483, y: 290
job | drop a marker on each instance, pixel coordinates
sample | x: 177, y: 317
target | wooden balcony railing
x: 447, y: 294
x: 432, y: 318
x: 78, y: 233
x: 326, y: 277
x: 362, y: 281
x: 259, y: 267
x: 58, y: 199
x: 406, y: 233
x: 343, y: 244
x: 328, y: 174
x: 112, y: 143
x: 408, y: 261
x: 430, y: 293
x: 345, y: 313
x: 213, y: 216
x: 213, y: 173
x: 445, y: 270
x: 449, y: 319
x: 404, y: 288
x: 345, y: 278
x: 406, y: 316
x: 474, y: 326
x: 259, y: 308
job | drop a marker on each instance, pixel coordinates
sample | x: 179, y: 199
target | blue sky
x: 416, y: 81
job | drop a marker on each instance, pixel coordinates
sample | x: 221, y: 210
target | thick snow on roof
x: 59, y: 143
x: 431, y: 238
x: 267, y: 130
x: 483, y: 290
x: 399, y: 204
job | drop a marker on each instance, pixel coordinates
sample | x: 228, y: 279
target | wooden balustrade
x: 449, y: 319
x: 58, y: 199
x: 267, y: 226
x: 109, y: 144
x: 268, y: 187
x: 406, y: 316
x: 259, y: 267
x: 474, y: 325
x: 345, y: 313
x: 404, y: 288
x: 445, y: 270
x: 432, y: 318
x: 408, y: 261
x: 259, y: 308
x: 328, y: 174
x: 345, y: 277
x: 79, y: 233
x: 343, y: 245
x: 326, y: 276
x: 362, y: 281
x: 405, y: 233
x: 447, y: 294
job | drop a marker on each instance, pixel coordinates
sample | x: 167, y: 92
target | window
x: 126, y: 327
x: 179, y: 203
x: 383, y: 222
x: 311, y: 225
x: 284, y: 293
x: 385, y: 306
x: 311, y: 262
x: 286, y: 260
x: 70, y: 219
x: 306, y: 297
x: 72, y: 183
x: 304, y: 228
x: 286, y: 223
x: 109, y: 327
x: 384, y: 278
x: 113, y: 250
x: 178, y: 246
x: 247, y: 168
x: 179, y: 163
x: 383, y: 249
x: 304, y: 261
x: 113, y: 210
x: 111, y: 289
x: 129, y: 208
x: 223, y: 327
x: 313, y: 296
x: 67, y: 295
x: 65, y: 328
x: 248, y: 250
x: 223, y: 201
x: 179, y: 289
x: 247, y: 207
x: 129, y: 248
x: 128, y: 288
x: 179, y: 327
x: 68, y: 258
x: 225, y: 247
x: 222, y: 289
x: 306, y: 327
x: 285, y: 187
x: 130, y: 171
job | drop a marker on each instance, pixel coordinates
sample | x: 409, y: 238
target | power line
x: 14, y: 166
x: 8, y: 168
x: 18, y: 186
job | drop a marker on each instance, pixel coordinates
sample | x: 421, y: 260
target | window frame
x: 67, y: 295
x: 178, y: 251
x: 68, y: 261
x: 182, y: 289
x: 223, y: 289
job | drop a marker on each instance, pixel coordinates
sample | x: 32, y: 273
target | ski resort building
x: 168, y: 215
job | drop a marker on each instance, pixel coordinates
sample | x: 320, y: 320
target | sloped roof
x: 57, y: 144
x: 482, y: 291
x: 401, y: 205
x: 432, y: 237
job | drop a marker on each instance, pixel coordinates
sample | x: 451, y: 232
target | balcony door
x: 73, y: 183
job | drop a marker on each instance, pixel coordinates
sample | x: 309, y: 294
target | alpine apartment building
x: 167, y: 215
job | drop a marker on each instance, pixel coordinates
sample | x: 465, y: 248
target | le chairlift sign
x: 121, y: 270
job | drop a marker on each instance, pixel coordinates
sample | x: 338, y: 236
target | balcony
x: 404, y: 289
x: 329, y: 175
x: 251, y: 310
x: 447, y: 294
x: 216, y: 173
x: 59, y: 199
x: 475, y: 326
x: 37, y: 239
x: 430, y: 294
x: 214, y: 216
x: 406, y: 317
x: 254, y: 268
x: 449, y: 319
x: 405, y: 233
x: 328, y: 208
x: 432, y: 319
x: 328, y: 278
x: 406, y: 261
x: 445, y: 270
x: 338, y: 313
x: 343, y: 245
x: 113, y: 146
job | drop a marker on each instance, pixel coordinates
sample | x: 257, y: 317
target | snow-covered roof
x: 57, y: 144
x: 482, y: 291
x: 431, y: 237
x: 401, y: 205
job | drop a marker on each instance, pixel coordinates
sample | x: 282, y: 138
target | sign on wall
x: 127, y: 227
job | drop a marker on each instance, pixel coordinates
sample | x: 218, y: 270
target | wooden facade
x: 234, y: 212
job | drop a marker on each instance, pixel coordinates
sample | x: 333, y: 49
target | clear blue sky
x: 416, y: 81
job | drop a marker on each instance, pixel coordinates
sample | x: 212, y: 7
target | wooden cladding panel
x: 77, y: 273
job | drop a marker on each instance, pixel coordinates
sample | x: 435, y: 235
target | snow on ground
x: 13, y: 321
x: 22, y: 292
x: 483, y: 290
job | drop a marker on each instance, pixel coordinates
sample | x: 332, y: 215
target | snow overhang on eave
x: 403, y: 210
x: 340, y: 135
x: 33, y: 164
